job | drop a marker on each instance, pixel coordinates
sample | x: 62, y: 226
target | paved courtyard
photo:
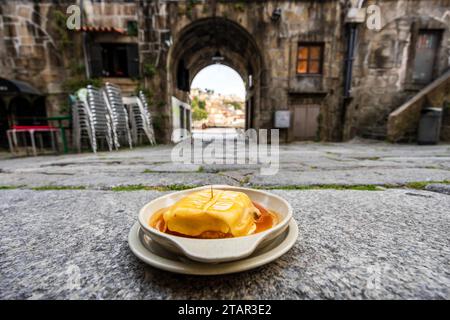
x: 301, y: 164
x: 374, y: 222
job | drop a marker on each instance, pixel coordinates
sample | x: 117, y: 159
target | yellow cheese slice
x: 227, y: 212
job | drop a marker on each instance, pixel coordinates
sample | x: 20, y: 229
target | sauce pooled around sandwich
x: 221, y: 214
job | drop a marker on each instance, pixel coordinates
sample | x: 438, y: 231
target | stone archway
x: 198, y: 43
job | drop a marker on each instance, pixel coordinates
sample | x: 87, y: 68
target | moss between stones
x: 10, y: 187
x: 420, y: 185
x: 45, y: 188
x: 322, y: 187
x: 199, y: 170
x: 139, y: 187
x: 417, y: 185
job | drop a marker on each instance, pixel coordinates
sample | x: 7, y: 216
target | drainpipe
x: 84, y: 42
x: 352, y: 35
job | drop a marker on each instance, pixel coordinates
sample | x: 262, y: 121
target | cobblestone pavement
x: 301, y: 164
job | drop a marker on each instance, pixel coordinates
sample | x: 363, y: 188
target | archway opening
x: 217, y: 96
x: 214, y: 43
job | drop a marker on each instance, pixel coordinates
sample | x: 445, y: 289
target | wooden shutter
x: 96, y: 63
x: 133, y: 60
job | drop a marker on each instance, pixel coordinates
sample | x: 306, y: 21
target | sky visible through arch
x: 220, y: 78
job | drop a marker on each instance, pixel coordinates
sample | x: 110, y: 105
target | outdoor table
x: 12, y: 136
x: 60, y: 126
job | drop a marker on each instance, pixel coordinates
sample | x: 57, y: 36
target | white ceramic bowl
x: 217, y: 250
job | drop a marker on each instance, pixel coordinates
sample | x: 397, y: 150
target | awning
x: 10, y: 87
x: 102, y: 29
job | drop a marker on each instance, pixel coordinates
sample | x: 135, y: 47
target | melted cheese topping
x: 229, y: 212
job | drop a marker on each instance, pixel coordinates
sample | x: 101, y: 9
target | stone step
x: 126, y: 85
x: 375, y: 132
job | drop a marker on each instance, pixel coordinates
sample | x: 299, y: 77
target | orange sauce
x: 265, y: 221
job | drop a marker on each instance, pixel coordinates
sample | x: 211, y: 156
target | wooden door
x: 305, y: 122
x: 425, y: 56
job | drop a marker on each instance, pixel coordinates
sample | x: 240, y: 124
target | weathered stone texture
x: 265, y: 49
x: 383, y: 66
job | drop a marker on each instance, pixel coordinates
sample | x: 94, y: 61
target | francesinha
x: 216, y: 214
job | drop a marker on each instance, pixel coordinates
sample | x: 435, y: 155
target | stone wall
x: 403, y: 122
x: 382, y: 73
x: 301, y: 21
x: 110, y: 14
x: 34, y: 48
x: 30, y: 47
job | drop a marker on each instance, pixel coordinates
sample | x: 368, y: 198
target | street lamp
x: 217, y: 58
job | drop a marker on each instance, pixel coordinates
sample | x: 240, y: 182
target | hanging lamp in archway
x: 217, y: 58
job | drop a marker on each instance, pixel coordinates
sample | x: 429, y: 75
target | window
x: 309, y: 58
x: 114, y: 60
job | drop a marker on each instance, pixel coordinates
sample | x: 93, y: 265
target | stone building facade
x: 317, y: 59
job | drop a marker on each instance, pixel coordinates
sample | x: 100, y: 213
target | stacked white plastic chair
x: 101, y: 124
x: 119, y: 117
x: 91, y: 119
x: 148, y: 117
x: 81, y: 121
x: 140, y: 118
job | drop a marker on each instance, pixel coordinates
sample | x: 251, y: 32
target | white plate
x: 153, y: 254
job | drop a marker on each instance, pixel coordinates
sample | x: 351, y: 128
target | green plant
x: 149, y: 69
x: 239, y: 6
x: 147, y: 93
x: 132, y: 28
x: 161, y: 104
x: 236, y: 104
x: 65, y: 108
x: 189, y: 6
x: 157, y: 122
x: 59, y: 25
x: 197, y: 103
x: 76, y: 68
x: 198, y: 109
x: 74, y: 83
x: 199, y: 114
